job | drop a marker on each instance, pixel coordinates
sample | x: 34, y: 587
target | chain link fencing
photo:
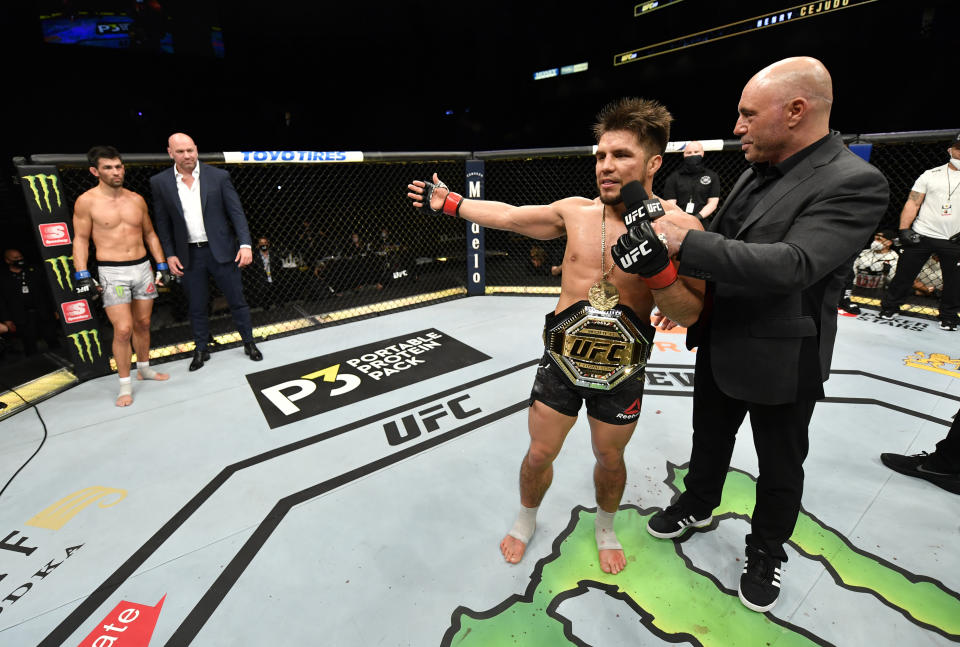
x: 331, y: 243
x: 344, y: 243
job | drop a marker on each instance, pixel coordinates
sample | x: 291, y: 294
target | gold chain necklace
x: 603, y: 295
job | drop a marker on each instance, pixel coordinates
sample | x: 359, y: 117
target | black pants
x: 910, y: 263
x: 947, y: 455
x: 227, y: 277
x: 780, y: 438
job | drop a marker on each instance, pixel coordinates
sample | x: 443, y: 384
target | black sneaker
x: 948, y: 325
x: 887, y: 314
x: 849, y: 306
x: 914, y: 466
x: 674, y: 521
x: 760, y: 581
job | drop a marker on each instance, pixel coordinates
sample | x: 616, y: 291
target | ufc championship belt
x: 597, y: 349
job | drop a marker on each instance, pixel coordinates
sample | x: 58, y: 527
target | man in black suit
x: 199, y: 221
x: 774, y: 259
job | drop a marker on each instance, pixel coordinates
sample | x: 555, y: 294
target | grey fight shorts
x: 123, y: 281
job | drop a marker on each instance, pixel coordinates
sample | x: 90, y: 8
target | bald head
x: 799, y: 76
x: 784, y: 108
x: 183, y: 151
x: 693, y: 148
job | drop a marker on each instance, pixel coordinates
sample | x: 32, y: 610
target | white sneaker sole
x: 754, y: 607
x: 677, y: 533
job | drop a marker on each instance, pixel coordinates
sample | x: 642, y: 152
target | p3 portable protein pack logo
x: 310, y: 387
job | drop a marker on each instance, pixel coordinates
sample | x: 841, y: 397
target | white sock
x: 145, y: 372
x: 603, y: 527
x: 525, y: 524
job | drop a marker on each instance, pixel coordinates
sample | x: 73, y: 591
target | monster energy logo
x: 86, y: 335
x: 41, y: 180
x: 61, y: 263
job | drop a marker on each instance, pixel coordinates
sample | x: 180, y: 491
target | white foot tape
x: 126, y: 388
x: 603, y: 527
x: 144, y: 372
x: 525, y: 524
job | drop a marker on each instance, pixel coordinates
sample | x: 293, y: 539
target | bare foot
x: 612, y: 561
x: 124, y: 400
x: 512, y: 549
x: 153, y: 376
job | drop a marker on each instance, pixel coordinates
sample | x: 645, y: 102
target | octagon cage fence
x: 345, y: 243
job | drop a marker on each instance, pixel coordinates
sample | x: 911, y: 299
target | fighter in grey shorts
x: 123, y: 281
x: 117, y: 222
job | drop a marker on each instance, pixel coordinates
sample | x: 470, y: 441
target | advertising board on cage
x: 291, y: 157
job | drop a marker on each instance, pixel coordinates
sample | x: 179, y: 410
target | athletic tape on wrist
x: 81, y: 274
x: 162, y: 266
x: 664, y: 278
x: 451, y: 204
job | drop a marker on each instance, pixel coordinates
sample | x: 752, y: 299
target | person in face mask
x: 29, y: 312
x: 930, y: 224
x: 262, y: 274
x: 693, y: 187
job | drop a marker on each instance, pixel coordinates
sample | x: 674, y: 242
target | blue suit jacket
x: 223, y: 217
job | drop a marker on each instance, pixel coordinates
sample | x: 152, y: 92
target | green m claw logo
x: 44, y: 182
x: 61, y: 263
x: 86, y: 335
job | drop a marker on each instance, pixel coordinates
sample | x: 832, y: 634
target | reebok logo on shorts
x: 632, y: 411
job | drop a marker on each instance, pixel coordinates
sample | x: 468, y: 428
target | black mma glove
x: 640, y: 251
x: 909, y: 237
x: 451, y: 205
x: 87, y: 286
x: 162, y: 275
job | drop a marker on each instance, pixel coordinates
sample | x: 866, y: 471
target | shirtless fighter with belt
x: 117, y: 220
x: 598, y: 337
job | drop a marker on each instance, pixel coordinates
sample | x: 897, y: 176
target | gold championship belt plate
x: 597, y: 349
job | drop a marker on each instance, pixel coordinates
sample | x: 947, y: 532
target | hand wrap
x: 87, y: 286
x: 451, y: 203
x: 162, y: 275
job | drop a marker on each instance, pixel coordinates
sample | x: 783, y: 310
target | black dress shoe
x: 199, y: 357
x: 251, y: 349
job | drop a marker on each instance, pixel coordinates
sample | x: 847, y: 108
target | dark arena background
x: 248, y: 503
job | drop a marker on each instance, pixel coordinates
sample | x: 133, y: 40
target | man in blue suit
x: 200, y: 221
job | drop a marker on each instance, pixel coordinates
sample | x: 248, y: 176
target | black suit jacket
x: 772, y: 320
x: 223, y: 216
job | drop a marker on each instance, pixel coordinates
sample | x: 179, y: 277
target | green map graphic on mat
x: 679, y: 603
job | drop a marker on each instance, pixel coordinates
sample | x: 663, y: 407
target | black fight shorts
x: 621, y: 406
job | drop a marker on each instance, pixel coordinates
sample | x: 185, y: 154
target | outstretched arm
x: 542, y: 222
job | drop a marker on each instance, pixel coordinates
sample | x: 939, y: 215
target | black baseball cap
x: 956, y: 141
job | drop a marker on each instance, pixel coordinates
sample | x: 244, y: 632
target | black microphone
x: 639, y: 206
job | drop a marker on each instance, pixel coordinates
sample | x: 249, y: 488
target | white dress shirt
x: 190, y: 201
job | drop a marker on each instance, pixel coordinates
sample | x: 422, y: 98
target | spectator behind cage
x: 29, y: 310
x: 693, y: 187
x: 263, y: 275
x: 930, y: 224
x: 876, y: 266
